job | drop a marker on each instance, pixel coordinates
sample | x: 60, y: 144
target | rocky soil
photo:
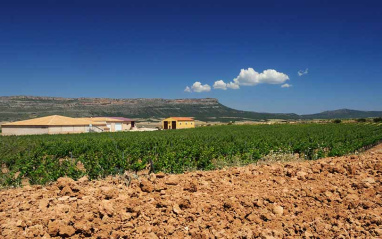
x: 328, y: 198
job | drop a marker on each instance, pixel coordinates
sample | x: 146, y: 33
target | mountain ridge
x: 344, y: 113
x: 206, y: 109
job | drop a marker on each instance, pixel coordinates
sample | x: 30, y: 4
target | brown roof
x: 182, y: 118
x: 107, y: 119
x: 52, y: 121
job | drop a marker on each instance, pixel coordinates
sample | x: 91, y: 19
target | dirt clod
x: 172, y: 180
x: 67, y: 231
x: 146, y: 186
x: 278, y: 210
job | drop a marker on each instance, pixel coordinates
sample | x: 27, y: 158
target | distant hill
x: 24, y: 107
x: 343, y: 114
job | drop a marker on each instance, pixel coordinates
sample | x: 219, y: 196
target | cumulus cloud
x: 221, y: 85
x: 301, y: 72
x: 198, y: 87
x: 246, y: 77
x: 233, y: 86
x: 286, y: 85
x: 250, y: 77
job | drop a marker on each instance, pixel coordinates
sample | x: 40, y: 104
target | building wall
x: 126, y: 126
x: 185, y: 124
x: 23, y: 130
x: 169, y: 123
x: 96, y: 128
x: 68, y: 129
x: 169, y: 120
x: 55, y: 130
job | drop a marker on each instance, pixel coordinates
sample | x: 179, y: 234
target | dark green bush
x: 362, y: 120
x: 377, y: 120
x: 337, y: 121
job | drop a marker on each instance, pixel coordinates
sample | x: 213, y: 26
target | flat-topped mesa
x: 102, y: 101
x: 14, y: 108
x: 195, y: 101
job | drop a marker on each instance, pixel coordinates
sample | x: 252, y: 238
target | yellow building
x: 178, y: 123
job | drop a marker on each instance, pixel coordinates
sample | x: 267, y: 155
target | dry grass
x: 275, y: 157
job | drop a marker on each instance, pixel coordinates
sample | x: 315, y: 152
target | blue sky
x: 154, y: 49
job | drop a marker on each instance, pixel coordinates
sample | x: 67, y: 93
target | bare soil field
x: 328, y: 198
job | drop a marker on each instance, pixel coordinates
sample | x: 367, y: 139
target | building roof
x: 182, y: 118
x: 53, y: 120
x: 108, y: 119
x: 122, y: 118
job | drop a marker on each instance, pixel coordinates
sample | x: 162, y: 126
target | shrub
x: 362, y: 120
x: 376, y: 120
x: 337, y: 121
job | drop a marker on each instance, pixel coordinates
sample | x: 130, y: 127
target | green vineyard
x: 44, y: 158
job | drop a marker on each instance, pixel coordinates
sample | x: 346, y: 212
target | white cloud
x: 301, y: 72
x: 198, y: 87
x: 286, y: 85
x: 246, y: 77
x: 250, y: 77
x: 233, y: 86
x: 221, y: 85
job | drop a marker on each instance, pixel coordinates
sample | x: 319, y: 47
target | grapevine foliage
x: 44, y: 158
